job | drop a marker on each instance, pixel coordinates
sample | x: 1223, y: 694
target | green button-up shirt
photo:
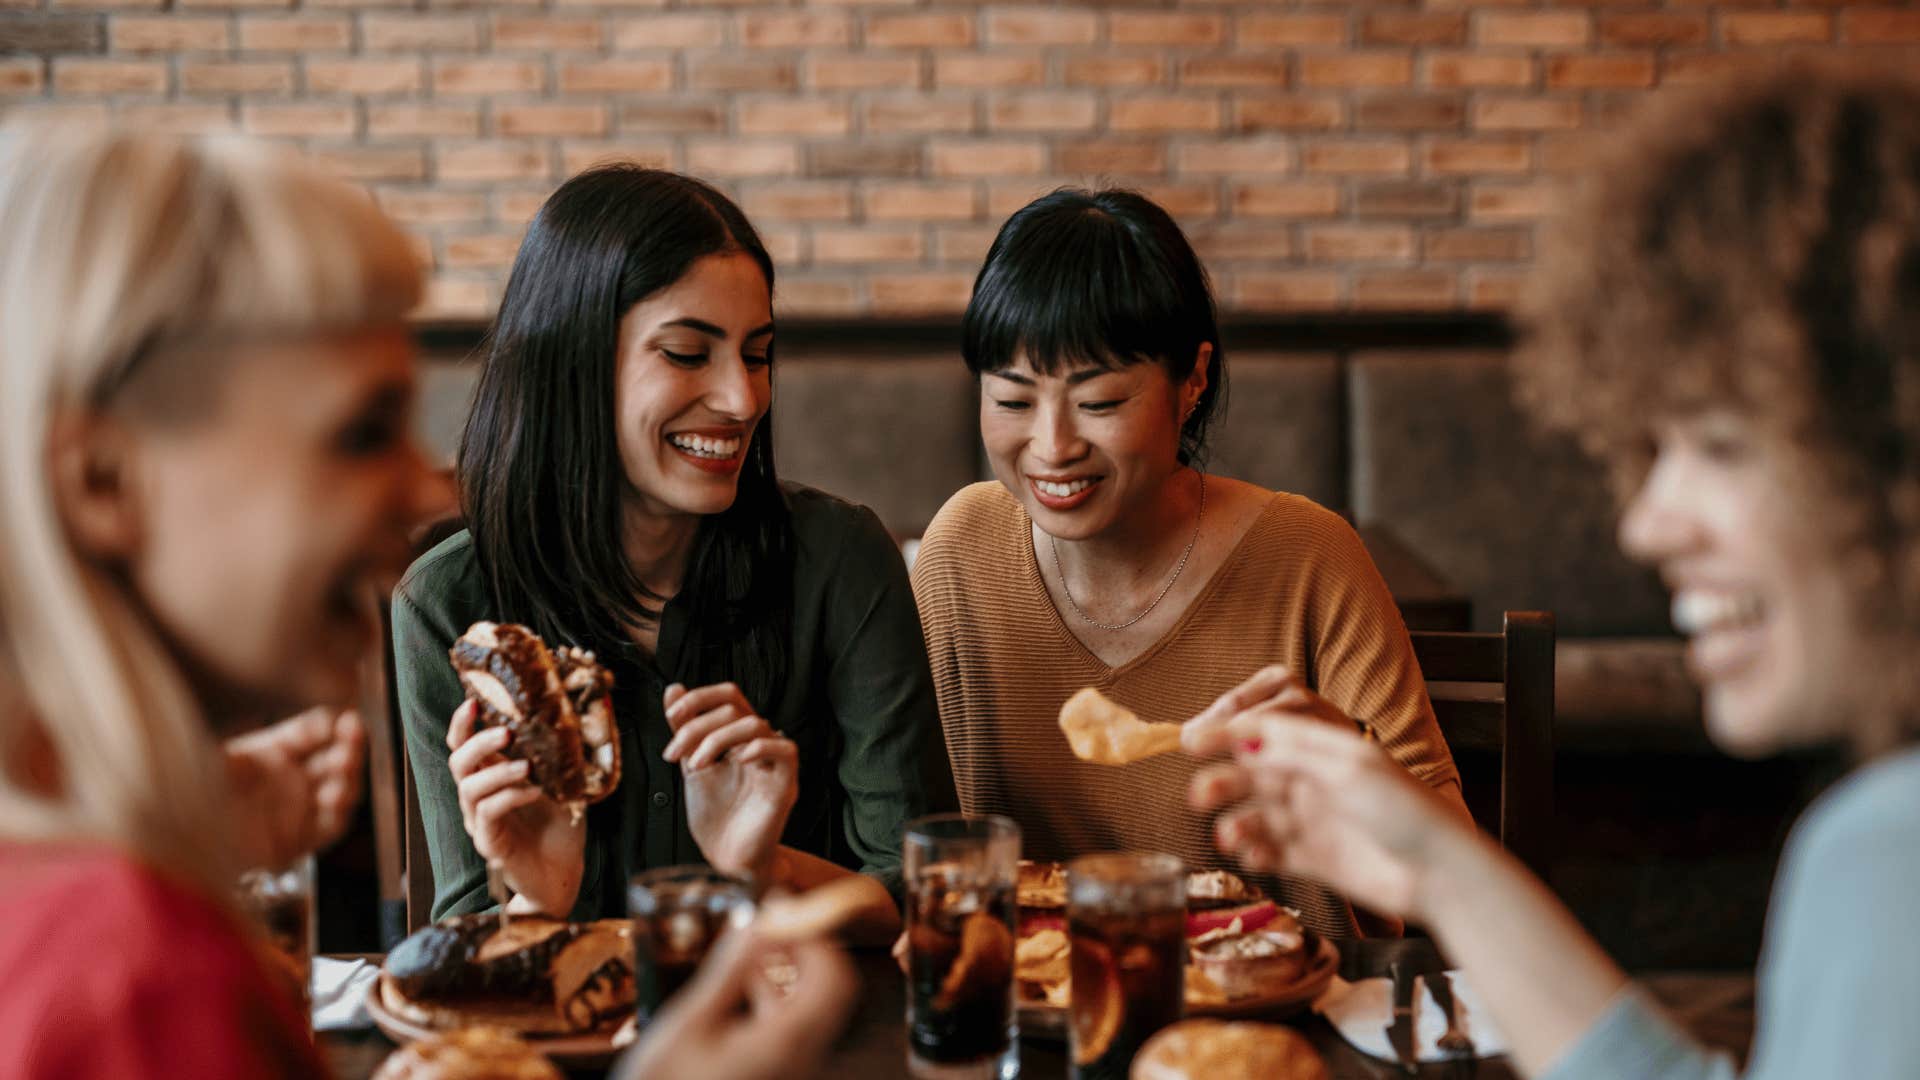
x: 858, y: 701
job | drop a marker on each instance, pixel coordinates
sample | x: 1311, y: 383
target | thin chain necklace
x: 1164, y: 589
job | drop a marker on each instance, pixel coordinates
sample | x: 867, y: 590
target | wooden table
x: 875, y: 1044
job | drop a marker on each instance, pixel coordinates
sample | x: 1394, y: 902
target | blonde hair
x: 116, y: 250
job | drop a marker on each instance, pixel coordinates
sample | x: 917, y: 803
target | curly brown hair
x: 1755, y: 246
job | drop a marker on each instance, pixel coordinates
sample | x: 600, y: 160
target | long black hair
x: 541, y: 479
x: 1097, y: 277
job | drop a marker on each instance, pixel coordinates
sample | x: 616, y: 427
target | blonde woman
x: 205, y: 470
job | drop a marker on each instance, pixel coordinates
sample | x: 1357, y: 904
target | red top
x: 109, y: 970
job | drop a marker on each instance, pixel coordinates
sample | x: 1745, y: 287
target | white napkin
x: 1360, y: 1011
x: 339, y: 990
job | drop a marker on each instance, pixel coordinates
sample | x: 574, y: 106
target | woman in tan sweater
x: 1105, y: 556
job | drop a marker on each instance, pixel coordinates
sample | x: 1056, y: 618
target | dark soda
x: 959, y: 971
x: 1129, y: 981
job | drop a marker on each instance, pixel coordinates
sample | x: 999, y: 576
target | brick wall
x: 1359, y: 156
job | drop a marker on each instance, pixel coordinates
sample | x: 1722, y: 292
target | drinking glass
x: 961, y: 875
x: 678, y: 913
x: 279, y: 903
x: 1127, y: 931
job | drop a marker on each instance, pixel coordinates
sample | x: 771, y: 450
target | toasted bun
x: 526, y: 1017
x: 475, y: 1053
x: 1219, y: 1050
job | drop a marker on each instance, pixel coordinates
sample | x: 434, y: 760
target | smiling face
x: 266, y: 530
x: 1757, y: 585
x: 1085, y: 450
x: 693, y: 381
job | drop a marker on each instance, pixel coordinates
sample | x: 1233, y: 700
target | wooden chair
x: 1493, y: 696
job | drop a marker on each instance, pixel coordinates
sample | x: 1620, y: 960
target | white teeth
x: 1696, y: 612
x: 701, y: 446
x: 1061, y: 491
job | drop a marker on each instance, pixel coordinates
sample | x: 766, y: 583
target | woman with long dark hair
x: 1105, y: 555
x: 771, y: 685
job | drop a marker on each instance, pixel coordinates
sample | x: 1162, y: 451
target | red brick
x: 1776, y: 28
x: 787, y: 247
x: 1556, y: 29
x: 1006, y: 196
x: 74, y: 76
x: 238, y: 4
x: 423, y: 33
x: 1880, y: 26
x: 1116, y: 71
x: 868, y: 159
x: 372, y: 163
x: 1300, y: 199
x: 984, y: 157
x: 1291, y: 291
x: 800, y: 202
x: 492, y: 161
x: 171, y: 33
x: 676, y: 31
x: 1478, y: 245
x: 920, y: 202
x: 1406, y: 199
x: 1164, y: 114
x: 1443, y: 156
x: 1405, y: 290
x: 920, y: 294
x: 1526, y: 113
x: 364, y: 76
x: 919, y: 31
x: 1262, y: 71
x: 1111, y: 156
x: 1359, y: 243
x: 579, y: 155
x: 1572, y: 153
x: 945, y: 115
x: 1166, y: 29
x: 616, y: 76
x: 1373, y: 157
x: 988, y: 69
x: 1410, y: 112
x: 794, y: 29
x: 298, y: 34
x: 174, y: 118
x: 514, y: 32
x: 844, y: 71
x: 965, y: 246
x: 1512, y: 202
x: 1188, y: 201
x: 1494, y: 290
x: 735, y: 158
x: 1042, y: 112
x: 1293, y: 112
x: 46, y: 112
x: 727, y: 71
x: 459, y: 299
x: 673, y: 115
x: 410, y: 206
x: 866, y: 246
x: 1292, y: 30
x: 1687, y: 68
x: 491, y: 251
x: 1414, y: 28
x: 298, y: 121
x: 816, y: 295
x: 793, y: 116
x: 236, y: 77
x: 1375, y: 68
x: 1041, y: 26
x: 1239, y: 241
x: 1237, y: 155
x: 488, y: 76
x: 1603, y: 71
x: 1649, y: 28
x: 1469, y: 69
x: 557, y: 120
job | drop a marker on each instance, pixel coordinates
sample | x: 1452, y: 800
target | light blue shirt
x: 1839, y: 982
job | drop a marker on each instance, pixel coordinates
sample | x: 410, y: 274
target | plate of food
x: 1246, y: 956
x: 565, y: 987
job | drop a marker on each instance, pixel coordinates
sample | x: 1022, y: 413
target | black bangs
x: 1101, y: 278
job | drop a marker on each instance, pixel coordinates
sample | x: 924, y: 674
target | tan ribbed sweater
x: 1298, y: 589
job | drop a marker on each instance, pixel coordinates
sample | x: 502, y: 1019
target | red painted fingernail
x: 1251, y: 746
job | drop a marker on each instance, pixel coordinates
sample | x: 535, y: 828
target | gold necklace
x: 1164, y: 589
